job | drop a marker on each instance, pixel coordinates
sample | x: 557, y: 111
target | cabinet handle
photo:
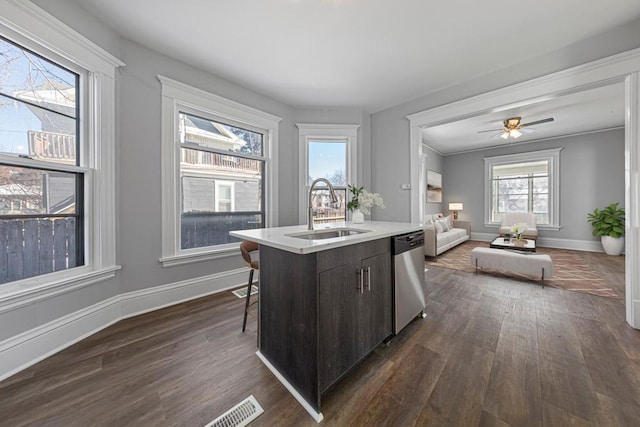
x: 361, y: 287
x: 369, y: 279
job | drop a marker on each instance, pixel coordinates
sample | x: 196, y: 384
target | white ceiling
x: 585, y: 111
x: 369, y: 54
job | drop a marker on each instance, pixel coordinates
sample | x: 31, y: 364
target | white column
x: 417, y: 172
x: 632, y: 198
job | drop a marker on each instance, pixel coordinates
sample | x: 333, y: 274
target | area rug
x: 570, y: 271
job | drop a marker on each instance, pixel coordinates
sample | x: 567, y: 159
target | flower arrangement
x: 362, y: 200
x: 518, y: 229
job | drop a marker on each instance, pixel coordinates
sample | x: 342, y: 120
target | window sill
x: 539, y: 227
x: 28, y: 291
x: 188, y: 258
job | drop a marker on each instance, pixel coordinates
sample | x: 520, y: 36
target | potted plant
x: 361, y: 201
x: 609, y: 224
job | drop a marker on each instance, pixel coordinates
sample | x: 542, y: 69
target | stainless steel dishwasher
x: 408, y: 277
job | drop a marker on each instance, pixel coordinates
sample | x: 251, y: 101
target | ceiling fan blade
x: 527, y: 130
x: 537, y: 122
x: 497, y: 134
x: 490, y: 130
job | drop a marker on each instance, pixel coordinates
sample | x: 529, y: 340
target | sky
x: 325, y: 157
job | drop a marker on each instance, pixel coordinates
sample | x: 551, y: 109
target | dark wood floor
x: 492, y: 352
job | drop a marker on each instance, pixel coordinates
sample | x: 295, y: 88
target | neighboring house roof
x: 209, y: 133
x: 65, y: 206
x: 56, y: 96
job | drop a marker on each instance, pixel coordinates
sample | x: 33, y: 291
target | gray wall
x: 138, y: 190
x: 591, y: 176
x: 390, y: 127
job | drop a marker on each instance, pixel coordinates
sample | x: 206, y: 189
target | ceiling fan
x: 514, y: 129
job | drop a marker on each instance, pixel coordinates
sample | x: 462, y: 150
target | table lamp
x: 455, y: 207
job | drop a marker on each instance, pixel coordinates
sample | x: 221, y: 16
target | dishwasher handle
x: 407, y: 242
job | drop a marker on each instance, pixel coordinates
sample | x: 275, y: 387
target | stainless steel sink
x: 327, y: 233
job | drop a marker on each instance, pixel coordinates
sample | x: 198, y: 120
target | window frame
x: 330, y: 133
x: 179, y: 97
x: 32, y: 28
x: 552, y: 156
x: 45, y: 166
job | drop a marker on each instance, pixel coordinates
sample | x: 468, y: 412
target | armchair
x: 510, y: 219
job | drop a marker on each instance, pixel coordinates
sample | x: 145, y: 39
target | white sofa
x: 436, y: 241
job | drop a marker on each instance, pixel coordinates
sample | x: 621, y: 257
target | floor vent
x: 240, y: 415
x: 242, y: 292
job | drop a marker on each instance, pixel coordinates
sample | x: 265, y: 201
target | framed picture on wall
x: 434, y: 187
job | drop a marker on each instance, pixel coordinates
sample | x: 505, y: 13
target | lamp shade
x: 455, y: 206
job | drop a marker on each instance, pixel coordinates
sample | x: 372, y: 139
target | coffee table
x: 524, y: 245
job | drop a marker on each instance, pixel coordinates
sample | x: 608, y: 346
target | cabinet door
x: 377, y: 308
x: 339, y: 317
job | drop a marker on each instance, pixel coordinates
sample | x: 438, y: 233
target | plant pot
x: 612, y: 245
x: 357, y: 217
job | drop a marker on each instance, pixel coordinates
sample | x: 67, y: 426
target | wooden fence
x: 30, y: 247
x: 212, y: 228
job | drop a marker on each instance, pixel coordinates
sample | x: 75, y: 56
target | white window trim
x: 553, y: 157
x: 28, y: 25
x: 324, y: 132
x: 175, y: 97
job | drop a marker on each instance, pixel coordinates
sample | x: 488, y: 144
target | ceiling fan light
x: 505, y: 135
x: 512, y: 122
x: 515, y: 133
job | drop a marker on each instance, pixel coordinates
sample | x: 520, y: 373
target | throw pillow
x: 443, y: 224
x: 438, y: 225
x: 447, y: 219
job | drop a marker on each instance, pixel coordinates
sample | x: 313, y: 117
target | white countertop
x: 278, y: 237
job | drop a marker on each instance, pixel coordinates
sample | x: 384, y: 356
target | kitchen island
x: 326, y: 301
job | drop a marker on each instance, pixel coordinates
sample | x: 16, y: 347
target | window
x: 216, y: 157
x: 56, y: 157
x: 219, y: 163
x: 225, y: 196
x: 41, y: 219
x: 328, y: 159
x: 523, y: 183
x: 327, y: 151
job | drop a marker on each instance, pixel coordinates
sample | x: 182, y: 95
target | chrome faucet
x: 332, y: 193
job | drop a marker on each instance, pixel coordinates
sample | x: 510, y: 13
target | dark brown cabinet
x: 333, y: 308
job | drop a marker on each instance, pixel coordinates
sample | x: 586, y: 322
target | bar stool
x: 246, y: 247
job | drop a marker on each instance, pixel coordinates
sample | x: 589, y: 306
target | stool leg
x: 246, y: 304
x: 542, y: 277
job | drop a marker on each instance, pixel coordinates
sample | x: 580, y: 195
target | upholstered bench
x: 506, y: 260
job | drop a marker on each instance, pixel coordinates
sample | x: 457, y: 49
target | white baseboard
x: 28, y: 348
x: 150, y: 299
x: 576, y: 245
x: 317, y: 416
x: 482, y: 237
x: 636, y: 309
x: 550, y: 242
